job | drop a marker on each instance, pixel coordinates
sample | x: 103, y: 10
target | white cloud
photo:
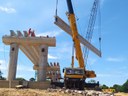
x: 115, y: 74
x: 51, y: 57
x: 51, y: 33
x: 104, y: 75
x: 24, y: 68
x: 115, y: 59
x: 2, y: 62
x: 7, y: 10
x: 91, y: 61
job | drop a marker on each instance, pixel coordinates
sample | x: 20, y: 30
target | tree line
x: 118, y: 88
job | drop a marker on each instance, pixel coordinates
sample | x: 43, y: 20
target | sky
x: 21, y: 15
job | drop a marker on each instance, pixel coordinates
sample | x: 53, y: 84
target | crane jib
x: 70, y: 7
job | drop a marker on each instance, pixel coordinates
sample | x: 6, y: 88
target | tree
x: 104, y: 87
x: 1, y: 77
x: 125, y: 87
x: 32, y: 79
x: 117, y: 87
x: 20, y: 79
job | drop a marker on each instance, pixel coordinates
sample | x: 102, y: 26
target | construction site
x: 52, y: 75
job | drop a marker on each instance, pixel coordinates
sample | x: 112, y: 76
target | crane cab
x: 74, y: 78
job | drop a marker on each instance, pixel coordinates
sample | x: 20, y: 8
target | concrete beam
x: 34, y: 41
x: 35, y: 50
x: 27, y: 53
x: 25, y: 33
x: 32, y: 53
x: 12, y: 33
x: 19, y: 33
x: 64, y: 26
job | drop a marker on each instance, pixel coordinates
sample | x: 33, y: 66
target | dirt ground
x: 37, y: 92
x: 121, y: 94
x: 29, y: 92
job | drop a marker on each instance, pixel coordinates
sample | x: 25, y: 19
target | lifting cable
x: 56, y: 7
x: 99, y: 29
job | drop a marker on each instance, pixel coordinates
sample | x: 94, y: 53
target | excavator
x: 75, y: 77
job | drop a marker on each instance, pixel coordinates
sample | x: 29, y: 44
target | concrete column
x: 13, y: 61
x: 43, y: 59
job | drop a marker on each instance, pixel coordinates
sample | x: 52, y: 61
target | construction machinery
x: 75, y: 77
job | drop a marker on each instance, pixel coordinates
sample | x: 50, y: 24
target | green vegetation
x: 32, y: 79
x: 123, y: 88
x: 1, y: 77
x: 104, y: 87
x: 20, y: 79
x: 118, y: 88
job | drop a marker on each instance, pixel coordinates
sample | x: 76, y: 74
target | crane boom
x: 74, y: 30
x: 90, y: 28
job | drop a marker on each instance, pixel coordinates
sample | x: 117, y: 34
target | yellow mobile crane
x: 75, y: 77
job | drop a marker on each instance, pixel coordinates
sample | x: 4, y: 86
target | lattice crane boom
x: 90, y: 28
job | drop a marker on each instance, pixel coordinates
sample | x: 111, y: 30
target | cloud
x: 24, y: 68
x: 91, y: 61
x: 115, y: 59
x: 51, y: 57
x: 104, y: 75
x: 7, y: 10
x: 51, y: 33
x: 113, y: 74
x: 2, y: 62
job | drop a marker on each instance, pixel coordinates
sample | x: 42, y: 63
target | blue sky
x: 39, y: 15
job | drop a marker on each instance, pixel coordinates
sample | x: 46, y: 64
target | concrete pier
x: 43, y: 54
x: 13, y: 62
x: 35, y: 48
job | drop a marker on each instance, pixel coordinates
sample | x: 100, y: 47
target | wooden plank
x: 64, y: 26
